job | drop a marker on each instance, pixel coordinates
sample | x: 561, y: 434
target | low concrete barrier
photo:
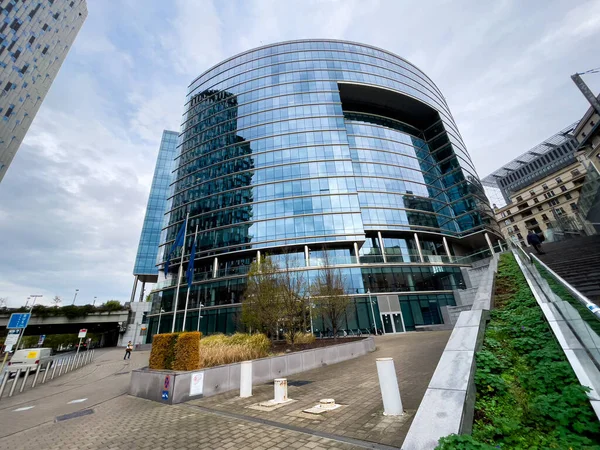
x: 167, y: 386
x: 448, y: 404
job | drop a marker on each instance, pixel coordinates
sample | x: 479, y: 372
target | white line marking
x: 25, y: 408
x: 79, y: 400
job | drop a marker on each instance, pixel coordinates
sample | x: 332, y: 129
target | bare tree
x: 294, y: 295
x: 330, y: 297
x: 56, y: 301
x: 3, y: 302
x: 261, y: 308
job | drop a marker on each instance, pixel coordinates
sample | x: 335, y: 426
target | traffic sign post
x: 11, y: 339
x: 82, y: 334
x: 18, y: 320
x: 41, y: 340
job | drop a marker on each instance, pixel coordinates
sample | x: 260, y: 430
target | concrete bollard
x: 388, y: 382
x: 246, y: 379
x: 281, y: 394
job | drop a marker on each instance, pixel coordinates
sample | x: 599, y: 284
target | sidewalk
x: 355, y: 385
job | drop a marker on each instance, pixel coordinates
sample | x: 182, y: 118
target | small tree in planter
x: 330, y: 298
x: 262, y: 305
x: 294, y: 290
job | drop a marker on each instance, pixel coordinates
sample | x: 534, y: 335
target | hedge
x: 187, y: 351
x: 162, y: 355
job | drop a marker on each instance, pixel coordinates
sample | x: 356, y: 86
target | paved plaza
x: 89, y: 408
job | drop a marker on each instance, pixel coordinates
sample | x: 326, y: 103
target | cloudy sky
x: 73, y: 200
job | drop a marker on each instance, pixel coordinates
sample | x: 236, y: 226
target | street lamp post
x: 76, y: 291
x: 94, y: 304
x: 372, y: 311
x: 310, y: 307
x: 199, y: 315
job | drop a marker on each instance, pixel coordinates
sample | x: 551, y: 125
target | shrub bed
x: 219, y: 349
x: 527, y: 394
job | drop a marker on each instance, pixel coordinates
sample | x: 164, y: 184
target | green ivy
x: 527, y: 394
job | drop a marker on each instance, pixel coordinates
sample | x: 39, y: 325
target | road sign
x: 167, y: 381
x: 165, y: 395
x: 18, y: 320
x: 82, y: 333
x: 11, y: 339
x: 41, y: 340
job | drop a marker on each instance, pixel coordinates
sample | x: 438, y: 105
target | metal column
x: 381, y: 246
x: 447, y: 248
x: 135, y: 280
x: 419, y: 247
x: 356, y: 253
x: 489, y: 242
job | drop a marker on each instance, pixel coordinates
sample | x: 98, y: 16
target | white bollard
x: 246, y: 379
x: 388, y: 382
x: 281, y: 395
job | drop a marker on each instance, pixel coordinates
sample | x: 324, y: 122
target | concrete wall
x: 448, y: 404
x: 134, y: 330
x: 149, y: 384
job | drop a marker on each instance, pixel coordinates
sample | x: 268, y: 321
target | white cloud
x: 72, y: 203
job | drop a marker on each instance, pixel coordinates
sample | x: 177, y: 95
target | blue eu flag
x: 190, y: 269
x: 178, y: 243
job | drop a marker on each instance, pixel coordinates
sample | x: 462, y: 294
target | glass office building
x: 35, y: 37
x: 322, y: 150
x: 145, y: 268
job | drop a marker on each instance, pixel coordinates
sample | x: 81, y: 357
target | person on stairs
x: 534, y: 240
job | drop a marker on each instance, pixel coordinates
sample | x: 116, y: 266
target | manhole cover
x: 83, y: 412
x: 296, y: 383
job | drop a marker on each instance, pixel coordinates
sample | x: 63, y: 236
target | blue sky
x: 73, y: 200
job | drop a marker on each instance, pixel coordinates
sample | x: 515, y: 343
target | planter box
x: 171, y: 387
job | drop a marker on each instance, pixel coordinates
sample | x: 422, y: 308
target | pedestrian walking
x: 128, y: 350
x: 534, y: 240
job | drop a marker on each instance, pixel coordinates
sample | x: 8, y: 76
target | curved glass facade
x: 321, y: 146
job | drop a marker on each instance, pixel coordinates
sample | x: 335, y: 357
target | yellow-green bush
x: 162, y: 354
x: 305, y: 338
x: 300, y: 338
x: 187, y: 351
x: 219, y: 349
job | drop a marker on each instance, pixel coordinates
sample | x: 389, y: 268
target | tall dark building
x: 35, y: 37
x: 323, y: 150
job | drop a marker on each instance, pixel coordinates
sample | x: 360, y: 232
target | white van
x: 29, y: 357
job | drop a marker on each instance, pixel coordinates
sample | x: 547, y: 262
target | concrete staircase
x: 577, y: 261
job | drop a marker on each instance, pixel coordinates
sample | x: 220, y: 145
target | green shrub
x: 162, y: 354
x: 527, y: 393
x: 187, y: 351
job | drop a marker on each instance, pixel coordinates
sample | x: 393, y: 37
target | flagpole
x: 187, y: 296
x: 179, y: 272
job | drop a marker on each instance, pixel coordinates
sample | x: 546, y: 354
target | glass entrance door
x: 398, y: 323
x: 388, y: 327
x: 392, y: 323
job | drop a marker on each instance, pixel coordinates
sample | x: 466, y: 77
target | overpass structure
x: 109, y: 324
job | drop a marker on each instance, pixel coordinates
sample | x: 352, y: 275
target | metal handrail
x: 590, y: 305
